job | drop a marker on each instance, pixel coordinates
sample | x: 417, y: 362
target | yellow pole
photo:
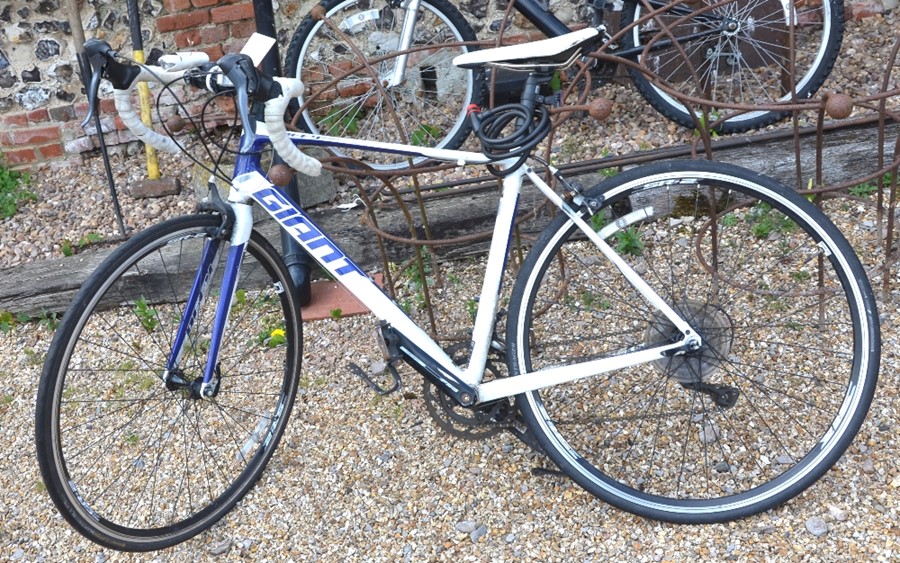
x: 147, y: 119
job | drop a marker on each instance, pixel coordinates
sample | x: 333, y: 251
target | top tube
x: 249, y: 163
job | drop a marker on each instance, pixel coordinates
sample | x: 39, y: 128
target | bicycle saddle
x: 558, y: 52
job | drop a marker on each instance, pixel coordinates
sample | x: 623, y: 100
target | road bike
x: 749, y: 52
x: 689, y: 341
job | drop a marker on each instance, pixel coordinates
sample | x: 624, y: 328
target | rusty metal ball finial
x: 838, y: 106
x: 600, y: 109
x: 280, y: 175
x: 175, y: 123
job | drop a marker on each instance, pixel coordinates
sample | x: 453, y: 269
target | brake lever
x: 97, y: 53
x: 240, y: 71
x: 101, y: 58
x: 248, y: 84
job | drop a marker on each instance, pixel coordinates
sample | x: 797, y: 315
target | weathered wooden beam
x: 846, y: 154
x: 48, y: 286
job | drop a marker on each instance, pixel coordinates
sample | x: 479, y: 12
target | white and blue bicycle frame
x: 416, y: 346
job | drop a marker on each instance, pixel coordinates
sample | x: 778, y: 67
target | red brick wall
x: 31, y: 138
x: 214, y: 26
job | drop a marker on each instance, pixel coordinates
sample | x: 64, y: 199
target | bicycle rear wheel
x: 790, y: 350
x: 131, y: 462
x: 750, y: 64
x: 427, y: 109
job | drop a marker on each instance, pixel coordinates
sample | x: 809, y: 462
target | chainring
x: 476, y: 423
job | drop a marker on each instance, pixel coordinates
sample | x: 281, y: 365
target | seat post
x: 531, y: 92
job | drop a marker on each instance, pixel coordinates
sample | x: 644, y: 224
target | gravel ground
x: 362, y: 478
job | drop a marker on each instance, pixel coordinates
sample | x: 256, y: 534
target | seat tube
x: 411, y: 14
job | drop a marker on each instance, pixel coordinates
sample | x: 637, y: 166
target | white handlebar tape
x: 133, y: 121
x: 274, y: 118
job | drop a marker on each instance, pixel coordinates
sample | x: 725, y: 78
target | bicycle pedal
x: 527, y: 437
x: 544, y: 472
x: 374, y: 385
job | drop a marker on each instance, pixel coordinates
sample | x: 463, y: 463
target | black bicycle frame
x: 551, y: 26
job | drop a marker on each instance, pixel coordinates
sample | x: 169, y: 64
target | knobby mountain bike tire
x: 751, y: 64
x: 777, y: 391
x: 129, y: 462
x: 427, y: 109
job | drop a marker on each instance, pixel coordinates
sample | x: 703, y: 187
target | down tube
x: 330, y: 256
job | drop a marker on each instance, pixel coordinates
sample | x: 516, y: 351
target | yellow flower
x: 278, y: 332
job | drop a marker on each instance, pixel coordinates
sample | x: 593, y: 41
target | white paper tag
x: 257, y: 47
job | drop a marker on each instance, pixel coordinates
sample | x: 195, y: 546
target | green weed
x: 340, y: 121
x: 629, y: 242
x: 866, y: 189
x: 591, y: 300
x: 765, y: 221
x: 472, y: 307
x: 730, y: 220
x: 7, y: 321
x: 146, y: 315
x: 33, y: 358
x: 12, y: 192
x: 68, y: 248
x: 714, y: 116
x: 423, y: 134
x: 272, y: 337
x: 49, y: 321
x: 89, y: 238
x: 609, y: 172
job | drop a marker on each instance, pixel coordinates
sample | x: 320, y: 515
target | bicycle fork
x: 208, y: 386
x: 410, y: 15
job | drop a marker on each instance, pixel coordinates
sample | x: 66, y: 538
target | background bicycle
x: 734, y: 54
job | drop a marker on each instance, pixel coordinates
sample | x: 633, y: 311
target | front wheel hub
x: 730, y: 27
x: 193, y: 389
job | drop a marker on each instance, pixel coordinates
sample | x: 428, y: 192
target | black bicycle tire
x: 865, y: 366
x: 68, y: 501
x: 676, y: 112
x: 463, y: 128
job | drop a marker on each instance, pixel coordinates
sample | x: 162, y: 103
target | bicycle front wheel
x: 783, y: 379
x: 427, y: 108
x: 745, y: 56
x: 137, y: 464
